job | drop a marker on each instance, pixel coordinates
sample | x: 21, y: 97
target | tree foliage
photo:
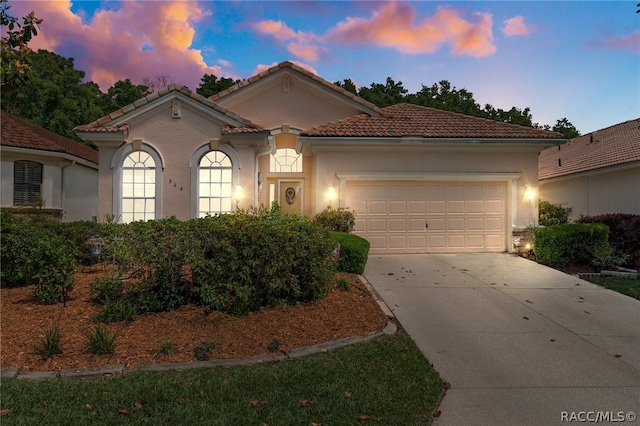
x: 15, y: 64
x: 124, y: 92
x: 211, y: 84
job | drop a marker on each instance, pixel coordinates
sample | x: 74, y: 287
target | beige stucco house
x: 419, y: 179
x: 41, y: 168
x: 595, y: 173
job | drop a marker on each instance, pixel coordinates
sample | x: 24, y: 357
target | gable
x: 288, y: 94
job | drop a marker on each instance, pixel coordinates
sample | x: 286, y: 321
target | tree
x: 384, y: 95
x: 348, y: 85
x: 54, y: 96
x: 565, y: 128
x: 15, y: 63
x: 211, y: 84
x: 124, y: 92
x: 443, y: 96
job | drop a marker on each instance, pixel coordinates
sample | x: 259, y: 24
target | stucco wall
x: 80, y: 198
x: 176, y: 140
x: 299, y: 107
x: 588, y: 195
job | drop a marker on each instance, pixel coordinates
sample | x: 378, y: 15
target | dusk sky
x: 579, y: 60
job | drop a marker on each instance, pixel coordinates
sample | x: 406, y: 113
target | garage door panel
x: 495, y: 207
x: 397, y: 225
x: 417, y: 224
x: 476, y: 224
x: 437, y: 207
x: 397, y: 207
x: 475, y: 241
x: 378, y: 225
x: 378, y: 207
x: 461, y: 216
x: 456, y: 224
x: 455, y: 207
x: 417, y: 207
x: 475, y: 206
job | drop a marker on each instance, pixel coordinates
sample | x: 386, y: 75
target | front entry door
x: 290, y: 196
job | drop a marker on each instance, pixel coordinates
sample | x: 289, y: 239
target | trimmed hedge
x: 552, y: 214
x: 354, y: 252
x: 340, y: 219
x: 560, y: 245
x: 624, y: 232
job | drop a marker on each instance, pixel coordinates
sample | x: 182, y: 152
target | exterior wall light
x: 237, y: 194
x: 331, y: 193
x: 529, y: 192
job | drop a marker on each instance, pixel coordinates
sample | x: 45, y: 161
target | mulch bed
x: 341, y: 314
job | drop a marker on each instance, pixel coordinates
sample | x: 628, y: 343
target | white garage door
x: 421, y: 217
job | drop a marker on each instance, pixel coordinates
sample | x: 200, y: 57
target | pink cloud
x: 394, y: 25
x: 629, y: 42
x: 515, y: 27
x: 141, y: 39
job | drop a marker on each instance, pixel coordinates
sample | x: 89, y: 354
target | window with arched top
x: 286, y: 160
x: 215, y: 183
x: 138, y: 187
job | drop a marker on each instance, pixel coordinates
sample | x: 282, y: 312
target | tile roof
x: 405, y: 120
x: 100, y: 125
x: 614, y: 145
x: 17, y: 132
x: 284, y: 65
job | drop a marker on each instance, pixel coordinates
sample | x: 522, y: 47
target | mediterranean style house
x: 41, y: 168
x: 419, y: 179
x: 595, y: 173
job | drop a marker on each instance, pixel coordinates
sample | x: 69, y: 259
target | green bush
x: 15, y: 245
x: 257, y: 258
x: 354, y: 252
x: 340, y: 219
x: 107, y: 287
x: 560, y: 245
x: 116, y: 310
x: 552, y: 214
x: 50, y: 342
x: 624, y: 232
x: 35, y: 252
x: 100, y: 340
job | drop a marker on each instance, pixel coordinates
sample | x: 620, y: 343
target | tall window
x: 138, y: 187
x: 27, y: 180
x: 215, y: 180
x: 286, y: 160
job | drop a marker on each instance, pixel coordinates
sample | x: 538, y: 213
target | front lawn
x: 387, y: 381
x: 628, y: 286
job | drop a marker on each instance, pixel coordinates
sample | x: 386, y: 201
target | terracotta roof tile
x: 20, y: 133
x: 405, y: 120
x: 612, y: 146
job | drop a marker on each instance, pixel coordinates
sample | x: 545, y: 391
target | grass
x: 628, y: 286
x: 388, y: 381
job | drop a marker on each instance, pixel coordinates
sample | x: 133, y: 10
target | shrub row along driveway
x: 520, y: 343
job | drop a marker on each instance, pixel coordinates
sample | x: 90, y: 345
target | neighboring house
x: 595, y: 173
x: 419, y: 179
x: 41, y: 168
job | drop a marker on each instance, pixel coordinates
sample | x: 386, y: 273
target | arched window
x: 286, y: 160
x: 215, y: 183
x: 27, y: 180
x: 138, y: 187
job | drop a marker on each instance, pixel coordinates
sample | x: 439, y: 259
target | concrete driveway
x: 519, y: 343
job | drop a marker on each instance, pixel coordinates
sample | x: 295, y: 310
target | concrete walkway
x: 520, y: 343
